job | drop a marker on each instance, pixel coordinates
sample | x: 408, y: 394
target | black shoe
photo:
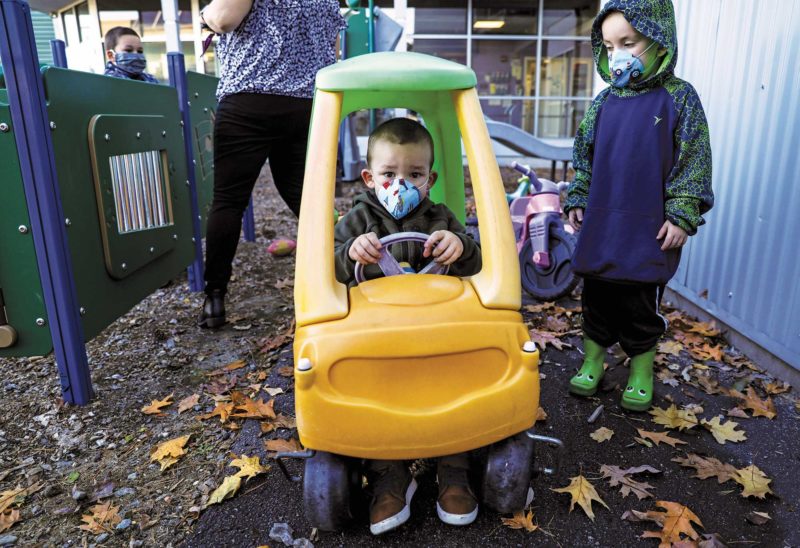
x: 213, y: 313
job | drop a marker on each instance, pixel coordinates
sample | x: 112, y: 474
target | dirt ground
x: 59, y: 462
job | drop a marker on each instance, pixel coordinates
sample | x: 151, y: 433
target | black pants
x: 249, y: 129
x: 623, y: 313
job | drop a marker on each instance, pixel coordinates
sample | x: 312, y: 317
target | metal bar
x: 172, y: 30
x: 177, y: 79
x: 556, y: 443
x: 307, y: 454
x: 249, y: 223
x: 59, y: 51
x: 144, y: 181
x: 153, y: 161
x: 31, y: 128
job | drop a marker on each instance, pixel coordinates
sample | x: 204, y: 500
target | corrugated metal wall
x: 743, y: 58
x: 44, y: 32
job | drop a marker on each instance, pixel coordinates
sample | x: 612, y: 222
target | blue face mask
x: 625, y: 67
x: 399, y: 196
x: 135, y: 63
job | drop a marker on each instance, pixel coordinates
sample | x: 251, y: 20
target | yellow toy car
x: 466, y: 375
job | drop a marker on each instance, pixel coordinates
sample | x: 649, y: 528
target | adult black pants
x: 249, y: 129
x: 624, y: 313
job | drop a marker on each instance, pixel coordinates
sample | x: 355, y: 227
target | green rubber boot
x: 587, y: 380
x: 638, y: 394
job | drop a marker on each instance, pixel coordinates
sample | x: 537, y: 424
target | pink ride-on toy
x: 544, y: 243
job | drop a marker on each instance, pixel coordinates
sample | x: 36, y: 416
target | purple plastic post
x: 59, y: 50
x: 177, y: 79
x: 31, y: 127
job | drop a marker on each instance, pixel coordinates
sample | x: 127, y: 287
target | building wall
x: 44, y: 32
x: 743, y: 266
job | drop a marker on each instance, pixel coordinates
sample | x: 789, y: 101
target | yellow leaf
x: 660, y: 437
x: 187, y: 403
x: 233, y: 366
x: 705, y: 329
x: 222, y: 409
x: 674, y: 418
x: 754, y: 481
x: 249, y: 467
x: 675, y: 522
x: 169, y: 452
x: 228, y: 488
x: 601, y: 434
x: 103, y: 518
x: 583, y: 493
x: 8, y: 519
x: 724, y: 432
x: 759, y: 407
x: 521, y: 521
x: 155, y: 406
x: 670, y: 347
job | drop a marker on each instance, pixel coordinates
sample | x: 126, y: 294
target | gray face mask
x: 135, y: 63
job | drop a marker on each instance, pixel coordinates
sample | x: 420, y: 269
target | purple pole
x: 59, y: 50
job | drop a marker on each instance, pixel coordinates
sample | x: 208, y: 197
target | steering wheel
x: 389, y: 265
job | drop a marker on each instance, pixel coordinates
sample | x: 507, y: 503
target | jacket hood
x: 654, y: 19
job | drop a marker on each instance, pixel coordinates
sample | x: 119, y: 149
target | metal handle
x: 307, y: 454
x: 552, y: 442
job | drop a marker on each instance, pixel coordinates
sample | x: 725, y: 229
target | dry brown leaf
x: 672, y: 417
x: 282, y: 421
x: 252, y: 409
x: 541, y: 415
x: 8, y: 497
x: 557, y: 324
x: 660, y: 437
x: 617, y: 476
x: 676, y: 522
x: 601, y: 434
x: 8, y: 519
x: 155, y: 406
x: 670, y: 347
x: 286, y: 371
x: 223, y: 410
x: 737, y: 412
x: 188, y: 402
x: 543, y: 338
x: 756, y: 518
x: 279, y: 445
x: 169, y: 452
x: 284, y: 283
x: 754, y: 481
x: 724, y: 432
x: 707, y: 467
x: 776, y: 387
x: 233, y: 366
x: 226, y: 490
x: 521, y: 520
x: 583, y: 493
x: 707, y: 352
x: 706, y: 329
x: 103, y: 519
x: 759, y: 407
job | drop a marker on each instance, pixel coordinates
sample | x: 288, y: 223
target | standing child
x: 125, y: 55
x: 642, y: 182
x: 399, y: 176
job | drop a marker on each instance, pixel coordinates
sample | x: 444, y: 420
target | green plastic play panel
x: 202, y: 91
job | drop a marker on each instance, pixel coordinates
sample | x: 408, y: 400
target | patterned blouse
x: 279, y: 47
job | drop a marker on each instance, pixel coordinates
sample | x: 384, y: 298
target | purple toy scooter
x: 544, y: 243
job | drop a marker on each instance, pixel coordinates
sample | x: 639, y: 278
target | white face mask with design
x: 399, y: 196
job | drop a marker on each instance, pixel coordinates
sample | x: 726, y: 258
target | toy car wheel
x: 635, y: 74
x: 507, y: 475
x: 556, y: 280
x: 330, y: 489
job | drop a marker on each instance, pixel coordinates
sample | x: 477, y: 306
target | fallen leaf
x: 249, y: 467
x: 674, y: 418
x: 710, y: 540
x: 754, y: 481
x: 776, y: 387
x: 223, y: 410
x: 273, y: 391
x: 756, y: 518
x: 617, y: 476
x: 707, y: 467
x: 283, y: 283
x: 521, y: 520
x: 557, y: 324
x: 8, y: 519
x: 660, y: 437
x: 169, y: 452
x: 670, y: 347
x: 233, y: 366
x: 706, y: 329
x: 268, y: 345
x: 7, y: 498
x: 226, y: 490
x: 543, y: 338
x: 724, y: 432
x: 759, y: 407
x: 282, y: 421
x: 102, y: 519
x: 281, y: 445
x: 286, y: 371
x: 187, y: 403
x: 676, y: 521
x: 667, y: 377
x: 737, y: 412
x: 601, y: 434
x: 706, y: 352
x: 541, y: 415
x: 583, y: 493
x: 252, y: 409
x: 155, y: 406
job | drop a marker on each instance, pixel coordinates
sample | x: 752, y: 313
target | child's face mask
x: 399, y: 196
x: 135, y: 63
x: 625, y: 67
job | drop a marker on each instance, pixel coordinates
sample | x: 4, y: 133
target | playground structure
x: 466, y: 373
x: 101, y: 179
